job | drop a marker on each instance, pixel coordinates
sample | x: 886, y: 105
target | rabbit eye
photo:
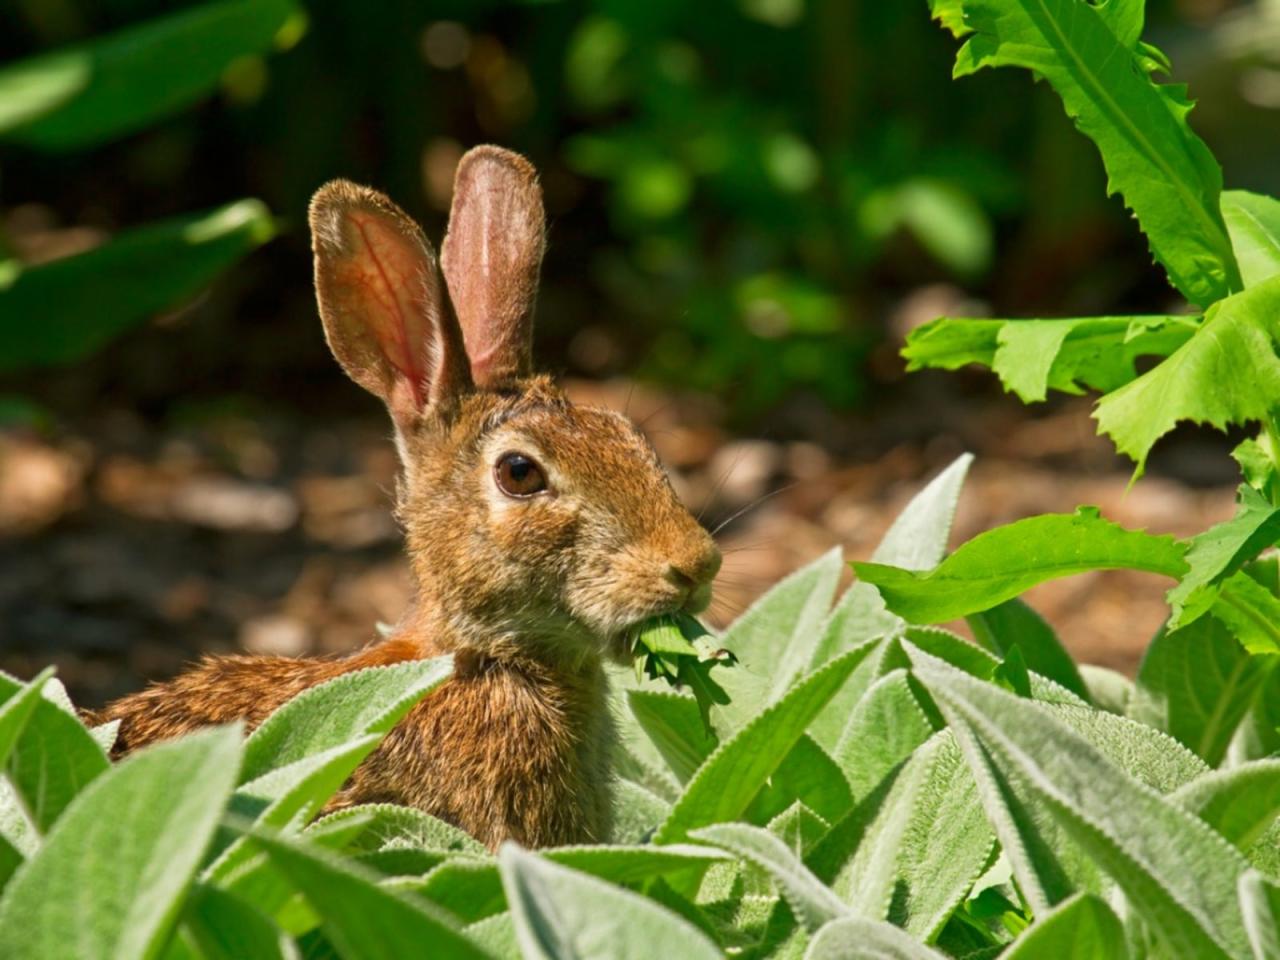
x: 519, y: 476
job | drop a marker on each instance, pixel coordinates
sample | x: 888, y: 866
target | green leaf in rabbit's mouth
x: 677, y: 648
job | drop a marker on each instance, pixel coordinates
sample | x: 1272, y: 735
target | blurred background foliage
x: 748, y: 197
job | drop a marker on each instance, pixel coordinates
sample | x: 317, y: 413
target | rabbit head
x: 529, y: 520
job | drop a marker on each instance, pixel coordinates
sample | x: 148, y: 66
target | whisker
x: 751, y: 506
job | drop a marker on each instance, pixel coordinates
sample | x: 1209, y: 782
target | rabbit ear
x: 492, y: 254
x: 385, y: 313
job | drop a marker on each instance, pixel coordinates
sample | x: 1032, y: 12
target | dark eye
x: 518, y: 476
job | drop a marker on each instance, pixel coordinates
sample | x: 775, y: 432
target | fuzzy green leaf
x: 111, y: 876
x: 675, y: 726
x: 1000, y: 564
x: 1260, y: 904
x: 1032, y: 357
x: 1177, y: 873
x: 1165, y: 173
x: 885, y: 727
x: 1228, y: 373
x: 226, y: 928
x: 331, y: 714
x: 858, y: 937
x: 1241, y: 803
x: 561, y: 914
x: 1253, y: 220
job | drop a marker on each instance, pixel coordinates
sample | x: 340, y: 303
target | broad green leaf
x: 1014, y: 623
x: 10, y: 859
x: 560, y: 914
x: 775, y: 640
x: 1253, y: 220
x: 809, y: 898
x: 112, y: 86
x: 1241, y: 803
x: 674, y: 725
x: 1257, y: 466
x: 1196, y: 684
x: 884, y: 729
x: 1260, y: 904
x: 920, y: 856
x: 227, y: 928
x: 1032, y: 357
x: 61, y: 311
x: 999, y: 564
x: 362, y: 920
x: 1082, y: 927
x: 857, y: 937
x: 54, y: 759
x: 1228, y: 373
x: 1177, y: 873
x: 1220, y: 551
x: 468, y: 888
x: 1165, y: 173
x: 352, y: 705
x: 16, y: 707
x: 111, y: 876
x: 725, y: 784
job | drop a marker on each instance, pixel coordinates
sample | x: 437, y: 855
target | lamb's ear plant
x: 863, y: 782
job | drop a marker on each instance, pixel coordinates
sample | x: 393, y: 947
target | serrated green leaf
x: 380, y: 825
x: 726, y: 783
x: 1251, y: 611
x: 85, y: 300
x: 1178, y: 874
x: 560, y: 914
x: 362, y: 920
x: 1165, y: 173
x: 1014, y: 623
x: 1228, y: 373
x: 1196, y: 684
x: 1082, y: 927
x: 858, y: 937
x: 999, y: 564
x: 1220, y: 551
x: 111, y: 876
x: 1253, y: 221
x: 1260, y: 904
x: 112, y: 86
x: 1145, y: 754
x: 810, y: 899
x: 1032, y: 357
x: 352, y: 705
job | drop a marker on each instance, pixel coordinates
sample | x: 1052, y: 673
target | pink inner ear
x: 384, y: 273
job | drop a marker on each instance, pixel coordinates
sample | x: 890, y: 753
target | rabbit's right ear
x: 382, y: 300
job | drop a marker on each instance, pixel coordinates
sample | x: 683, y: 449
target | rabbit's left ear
x: 491, y: 257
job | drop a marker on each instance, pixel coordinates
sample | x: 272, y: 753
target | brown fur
x: 530, y: 595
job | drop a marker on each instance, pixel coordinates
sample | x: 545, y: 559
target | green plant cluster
x: 873, y: 787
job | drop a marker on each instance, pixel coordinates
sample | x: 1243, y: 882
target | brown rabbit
x: 538, y: 532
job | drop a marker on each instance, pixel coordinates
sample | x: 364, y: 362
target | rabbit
x: 539, y: 532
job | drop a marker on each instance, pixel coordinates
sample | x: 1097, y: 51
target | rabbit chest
x: 506, y: 749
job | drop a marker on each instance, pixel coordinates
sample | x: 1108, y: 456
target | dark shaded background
x: 750, y: 203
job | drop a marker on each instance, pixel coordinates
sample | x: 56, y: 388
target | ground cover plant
x: 863, y: 782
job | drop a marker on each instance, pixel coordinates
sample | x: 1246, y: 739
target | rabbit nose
x: 694, y: 570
